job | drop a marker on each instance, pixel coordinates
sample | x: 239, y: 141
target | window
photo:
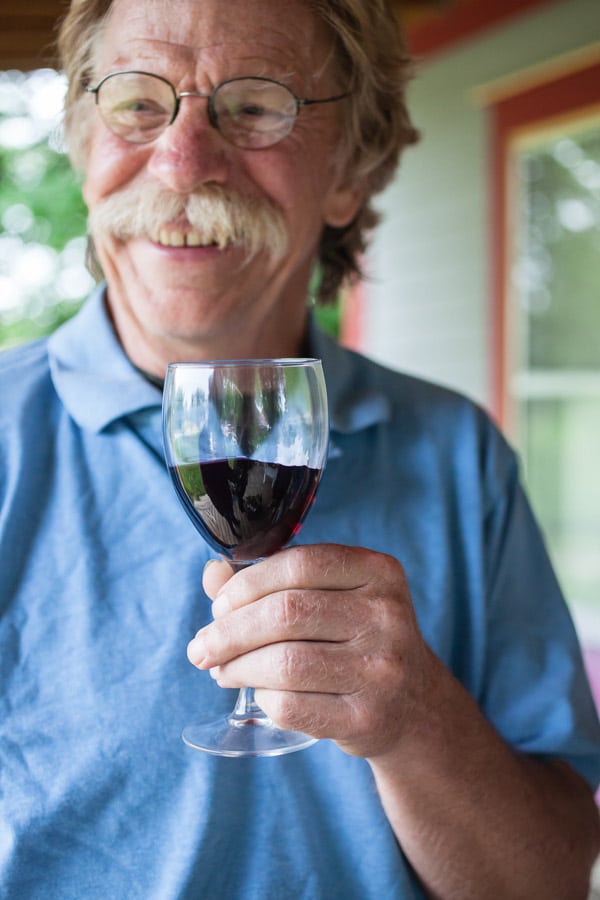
x: 548, y: 286
x: 554, y: 385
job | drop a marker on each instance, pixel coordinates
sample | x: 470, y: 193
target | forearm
x: 477, y: 820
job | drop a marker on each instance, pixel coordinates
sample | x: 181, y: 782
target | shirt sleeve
x: 536, y: 692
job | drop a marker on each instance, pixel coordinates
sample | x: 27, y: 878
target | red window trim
x: 433, y: 31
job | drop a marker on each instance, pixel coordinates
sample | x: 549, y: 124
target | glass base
x: 233, y: 736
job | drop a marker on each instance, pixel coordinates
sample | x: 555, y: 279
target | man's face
x: 186, y: 302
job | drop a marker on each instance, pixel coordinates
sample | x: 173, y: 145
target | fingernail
x: 196, y: 651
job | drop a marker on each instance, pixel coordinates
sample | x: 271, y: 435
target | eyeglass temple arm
x: 324, y: 100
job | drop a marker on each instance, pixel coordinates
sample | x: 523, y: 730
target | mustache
x: 215, y: 214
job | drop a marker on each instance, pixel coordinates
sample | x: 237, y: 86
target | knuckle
x: 287, y: 663
x: 218, y: 637
x: 292, y: 711
x: 382, y: 683
x: 392, y: 617
x: 287, y: 610
x: 283, y: 663
x: 301, y: 563
x: 387, y: 669
x: 297, y: 666
x: 391, y: 569
x: 366, y: 723
x: 285, y: 710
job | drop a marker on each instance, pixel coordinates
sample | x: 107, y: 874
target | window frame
x: 563, y: 92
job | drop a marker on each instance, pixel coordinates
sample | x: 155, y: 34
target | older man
x: 226, y: 145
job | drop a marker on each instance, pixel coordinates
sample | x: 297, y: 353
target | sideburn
x: 92, y: 262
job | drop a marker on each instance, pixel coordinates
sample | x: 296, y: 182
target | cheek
x: 110, y: 164
x: 293, y: 179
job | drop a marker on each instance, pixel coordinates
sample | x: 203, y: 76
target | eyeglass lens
x: 249, y: 112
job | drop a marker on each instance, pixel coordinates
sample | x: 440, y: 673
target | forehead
x: 256, y: 36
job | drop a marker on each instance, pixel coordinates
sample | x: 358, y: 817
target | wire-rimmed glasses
x: 250, y: 112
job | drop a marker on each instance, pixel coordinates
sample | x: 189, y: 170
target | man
x: 416, y: 627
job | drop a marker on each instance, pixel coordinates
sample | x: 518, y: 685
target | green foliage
x: 42, y: 217
x: 328, y: 318
x: 30, y: 329
x: 42, y: 179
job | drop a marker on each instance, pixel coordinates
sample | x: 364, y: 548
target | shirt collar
x: 98, y: 384
x: 353, y: 405
x: 91, y: 372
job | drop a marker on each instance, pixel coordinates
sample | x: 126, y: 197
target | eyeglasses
x: 250, y: 112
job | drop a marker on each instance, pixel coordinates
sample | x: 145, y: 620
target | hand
x: 328, y: 637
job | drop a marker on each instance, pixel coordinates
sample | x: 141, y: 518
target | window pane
x: 556, y: 361
x: 558, y: 270
x: 561, y: 438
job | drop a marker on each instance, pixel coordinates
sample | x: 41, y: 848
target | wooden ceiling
x: 27, y: 32
x: 28, y: 29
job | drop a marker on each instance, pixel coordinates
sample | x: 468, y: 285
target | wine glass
x: 246, y: 443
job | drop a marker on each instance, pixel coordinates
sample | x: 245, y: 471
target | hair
x: 373, y: 65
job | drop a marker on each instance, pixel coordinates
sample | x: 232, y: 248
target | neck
x: 151, y: 352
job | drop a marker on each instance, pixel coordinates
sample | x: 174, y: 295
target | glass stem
x: 247, y: 711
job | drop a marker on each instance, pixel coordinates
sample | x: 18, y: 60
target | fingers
x: 328, y: 637
x: 294, y: 666
x: 316, y: 567
x: 291, y: 615
x: 319, y: 690
x: 317, y: 593
x: 215, y: 576
x: 326, y: 716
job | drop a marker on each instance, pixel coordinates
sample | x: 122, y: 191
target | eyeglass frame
x: 213, y: 117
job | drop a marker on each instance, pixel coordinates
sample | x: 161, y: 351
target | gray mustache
x: 215, y: 215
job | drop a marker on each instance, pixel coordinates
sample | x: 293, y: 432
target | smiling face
x: 176, y: 291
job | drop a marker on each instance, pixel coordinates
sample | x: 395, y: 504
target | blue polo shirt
x: 100, y: 591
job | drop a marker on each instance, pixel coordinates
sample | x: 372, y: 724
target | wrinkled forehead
x: 257, y: 36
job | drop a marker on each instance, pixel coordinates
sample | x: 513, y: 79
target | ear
x: 342, y: 203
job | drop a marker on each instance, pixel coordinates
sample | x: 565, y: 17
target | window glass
x: 559, y: 253
x: 561, y: 436
x: 556, y: 352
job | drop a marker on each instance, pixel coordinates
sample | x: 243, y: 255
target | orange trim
x: 443, y: 28
x: 574, y: 93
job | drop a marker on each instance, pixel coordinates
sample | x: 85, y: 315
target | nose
x: 190, y: 152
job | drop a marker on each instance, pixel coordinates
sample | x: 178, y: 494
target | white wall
x: 428, y: 305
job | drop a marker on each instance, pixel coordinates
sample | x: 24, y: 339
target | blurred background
x: 485, y: 274
x: 43, y: 278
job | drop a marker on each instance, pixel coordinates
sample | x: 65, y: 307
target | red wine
x: 244, y: 508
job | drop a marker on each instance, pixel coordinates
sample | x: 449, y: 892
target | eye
x: 252, y: 110
x: 139, y: 106
x: 239, y: 109
x: 137, y: 119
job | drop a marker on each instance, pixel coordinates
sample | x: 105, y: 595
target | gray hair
x: 372, y: 64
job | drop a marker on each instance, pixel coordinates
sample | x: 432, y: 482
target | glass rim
x: 275, y: 362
